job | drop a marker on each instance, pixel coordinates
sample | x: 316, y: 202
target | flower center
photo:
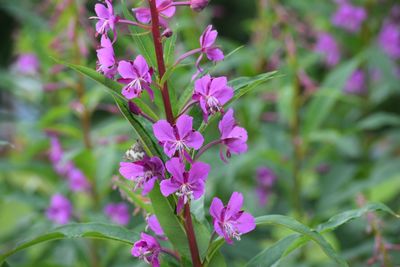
x: 213, y: 104
x: 136, y: 85
x: 186, y: 192
x: 231, y: 230
x: 141, y: 180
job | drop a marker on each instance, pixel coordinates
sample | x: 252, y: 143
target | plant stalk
x: 194, y: 250
x: 155, y: 30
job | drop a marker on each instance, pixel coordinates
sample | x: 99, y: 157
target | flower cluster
x: 182, y: 175
x: 118, y: 213
x: 349, y: 17
x: 328, y: 47
x: 265, y: 181
x: 60, y: 209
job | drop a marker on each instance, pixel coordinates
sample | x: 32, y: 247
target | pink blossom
x: 328, y: 47
x: 147, y: 249
x: 107, y: 63
x: 179, y: 137
x: 137, y: 76
x: 212, y: 93
x: 77, y: 180
x: 349, y: 17
x: 27, y: 64
x: 60, y: 209
x: 144, y: 172
x: 165, y: 10
x: 118, y: 213
x: 185, y: 184
x: 232, y: 136
x: 154, y: 225
x: 106, y: 17
x: 230, y: 221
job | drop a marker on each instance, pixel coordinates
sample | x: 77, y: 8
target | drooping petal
x: 154, y: 225
x: 237, y: 146
x: 215, y: 54
x: 226, y: 124
x: 163, y: 131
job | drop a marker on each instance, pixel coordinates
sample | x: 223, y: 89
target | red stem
x: 155, y: 29
x: 194, y: 250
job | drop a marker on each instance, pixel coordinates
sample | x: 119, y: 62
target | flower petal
x: 168, y: 187
x: 199, y: 171
x: 131, y: 170
x: 234, y: 205
x: 215, y: 54
x: 184, y: 125
x: 163, y: 131
x: 176, y: 168
x: 216, y: 208
x: 245, y: 223
x: 125, y: 69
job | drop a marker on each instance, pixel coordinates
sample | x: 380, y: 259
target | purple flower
x: 107, y: 63
x: 77, y: 180
x: 154, y: 225
x: 212, y: 93
x: 327, y: 46
x: 389, y: 39
x: 143, y: 172
x: 198, y: 5
x: 56, y: 151
x: 118, y: 213
x: 106, y: 17
x: 137, y: 76
x: 265, y: 180
x: 27, y: 64
x: 147, y: 249
x: 185, y: 184
x: 230, y: 221
x: 179, y: 137
x: 232, y: 136
x: 60, y: 209
x: 165, y: 10
x: 349, y: 17
x: 356, y: 83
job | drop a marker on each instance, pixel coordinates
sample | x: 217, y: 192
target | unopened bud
x: 134, y: 108
x: 167, y: 33
x: 198, y: 5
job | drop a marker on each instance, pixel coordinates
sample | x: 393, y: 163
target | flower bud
x: 134, y: 108
x: 198, y: 5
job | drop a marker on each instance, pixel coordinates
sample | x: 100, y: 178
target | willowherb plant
x: 180, y: 175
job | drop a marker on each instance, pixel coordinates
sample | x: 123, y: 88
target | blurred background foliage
x: 330, y: 149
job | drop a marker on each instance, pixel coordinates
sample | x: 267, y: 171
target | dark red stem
x: 194, y: 250
x: 155, y: 30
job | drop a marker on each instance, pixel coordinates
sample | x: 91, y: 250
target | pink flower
x: 77, y: 180
x: 106, y: 17
x: 165, y: 10
x: 212, y: 93
x: 389, y: 39
x: 144, y: 172
x: 355, y: 84
x: 198, y: 5
x: 349, y: 17
x: 147, y: 249
x: 27, y: 64
x: 60, y: 209
x: 328, y: 47
x: 154, y: 225
x: 179, y: 137
x: 185, y: 184
x: 265, y: 180
x: 137, y: 76
x: 118, y: 213
x: 107, y: 63
x: 230, y: 221
x: 56, y: 151
x: 232, y: 136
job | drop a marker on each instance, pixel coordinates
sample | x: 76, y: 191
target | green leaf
x: 135, y: 198
x: 78, y: 230
x: 322, y: 103
x: 296, y: 226
x: 213, y: 250
x: 142, y: 128
x: 142, y: 40
x: 347, y: 216
x: 272, y: 254
x: 172, y: 227
x: 379, y: 120
x: 112, y: 86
